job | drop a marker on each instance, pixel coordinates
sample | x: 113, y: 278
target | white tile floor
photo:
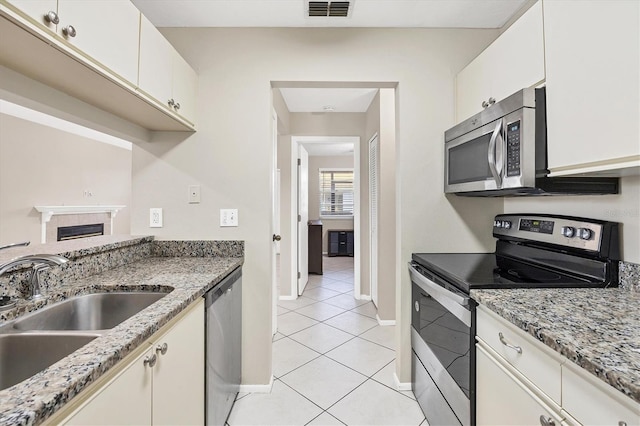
x: 332, y: 363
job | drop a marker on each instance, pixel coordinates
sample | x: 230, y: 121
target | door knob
x: 276, y: 237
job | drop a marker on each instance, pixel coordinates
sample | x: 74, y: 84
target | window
x: 336, y: 193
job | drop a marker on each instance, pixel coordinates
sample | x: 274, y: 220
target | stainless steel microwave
x: 502, y: 151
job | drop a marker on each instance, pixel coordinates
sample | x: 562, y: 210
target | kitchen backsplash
x: 629, y: 276
x: 198, y: 248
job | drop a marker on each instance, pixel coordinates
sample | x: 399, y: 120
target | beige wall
x: 230, y: 154
x: 315, y: 164
x: 623, y: 208
x: 41, y: 165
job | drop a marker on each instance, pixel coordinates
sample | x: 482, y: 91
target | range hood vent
x: 328, y: 8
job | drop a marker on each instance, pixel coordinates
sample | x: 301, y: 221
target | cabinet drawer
x: 535, y: 361
x: 591, y: 401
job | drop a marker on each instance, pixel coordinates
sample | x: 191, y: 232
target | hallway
x: 332, y: 362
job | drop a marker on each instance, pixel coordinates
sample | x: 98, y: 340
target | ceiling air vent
x: 329, y: 8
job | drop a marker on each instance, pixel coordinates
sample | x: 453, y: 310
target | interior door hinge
x: 299, y: 163
x: 299, y: 218
x: 298, y: 275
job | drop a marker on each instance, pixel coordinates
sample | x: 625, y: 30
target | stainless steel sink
x: 23, y: 355
x: 98, y: 311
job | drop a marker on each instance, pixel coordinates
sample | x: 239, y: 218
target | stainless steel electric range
x: 532, y: 250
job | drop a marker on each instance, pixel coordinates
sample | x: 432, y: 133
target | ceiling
x: 364, y: 13
x: 328, y: 149
x: 328, y: 100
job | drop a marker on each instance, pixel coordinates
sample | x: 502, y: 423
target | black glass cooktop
x: 469, y: 271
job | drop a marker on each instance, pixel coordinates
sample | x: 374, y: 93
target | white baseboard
x: 257, y: 388
x: 287, y: 297
x: 385, y: 322
x: 399, y: 385
x: 364, y: 297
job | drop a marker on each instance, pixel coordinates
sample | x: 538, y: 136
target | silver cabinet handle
x: 622, y: 423
x: 547, y: 421
x: 509, y: 345
x: 162, y: 348
x: 69, y: 31
x: 416, y: 305
x: 485, y: 104
x: 150, y: 360
x: 176, y: 106
x: 492, y: 101
x: 52, y: 17
x: 276, y: 237
x: 171, y: 103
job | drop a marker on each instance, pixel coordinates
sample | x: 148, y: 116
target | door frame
x: 295, y: 142
x: 373, y: 242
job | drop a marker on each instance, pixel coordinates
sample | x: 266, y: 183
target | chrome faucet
x: 41, y: 262
x: 26, y: 243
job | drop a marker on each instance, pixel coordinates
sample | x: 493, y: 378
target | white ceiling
x: 364, y: 13
x: 317, y: 99
x: 328, y: 149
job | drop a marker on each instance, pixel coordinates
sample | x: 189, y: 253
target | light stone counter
x: 597, y: 329
x: 148, y: 265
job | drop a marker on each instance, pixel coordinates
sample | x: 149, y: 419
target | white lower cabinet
x: 153, y: 387
x: 520, y: 381
x: 503, y: 399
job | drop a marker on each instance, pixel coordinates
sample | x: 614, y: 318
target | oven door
x: 442, y: 339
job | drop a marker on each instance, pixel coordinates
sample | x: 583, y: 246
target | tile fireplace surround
x: 53, y: 217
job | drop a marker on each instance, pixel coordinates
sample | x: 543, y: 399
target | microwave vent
x: 328, y: 8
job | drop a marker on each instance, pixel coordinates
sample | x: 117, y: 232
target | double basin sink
x: 38, y: 340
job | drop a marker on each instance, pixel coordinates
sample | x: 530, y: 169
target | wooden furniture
x: 340, y: 242
x: 315, y: 247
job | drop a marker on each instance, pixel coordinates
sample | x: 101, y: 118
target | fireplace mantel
x: 46, y: 212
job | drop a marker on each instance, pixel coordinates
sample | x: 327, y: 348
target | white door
x: 303, y: 218
x: 373, y: 217
x: 275, y: 225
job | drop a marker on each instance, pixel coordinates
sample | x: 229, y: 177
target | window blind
x: 336, y: 193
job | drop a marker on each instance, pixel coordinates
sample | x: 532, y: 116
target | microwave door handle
x: 491, y: 155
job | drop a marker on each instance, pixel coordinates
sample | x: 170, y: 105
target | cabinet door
x: 106, y: 30
x: 515, y: 60
x: 178, y: 381
x: 501, y: 399
x: 125, y: 400
x: 156, y: 62
x: 593, y: 93
x: 185, y: 86
x: 37, y: 9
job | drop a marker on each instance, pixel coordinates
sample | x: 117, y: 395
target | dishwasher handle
x: 222, y: 287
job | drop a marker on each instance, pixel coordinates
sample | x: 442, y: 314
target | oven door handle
x: 458, y: 305
x: 492, y: 153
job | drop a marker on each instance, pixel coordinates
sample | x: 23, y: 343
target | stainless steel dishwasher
x: 223, y: 305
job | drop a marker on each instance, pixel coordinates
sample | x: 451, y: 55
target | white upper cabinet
x: 164, y: 74
x: 185, y: 83
x: 106, y: 30
x: 156, y: 63
x: 39, y: 10
x: 593, y: 93
x: 515, y: 60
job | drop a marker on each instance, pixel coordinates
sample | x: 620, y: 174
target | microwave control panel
x: 513, y: 149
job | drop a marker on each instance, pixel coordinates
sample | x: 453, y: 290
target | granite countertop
x: 35, y: 399
x: 597, y: 329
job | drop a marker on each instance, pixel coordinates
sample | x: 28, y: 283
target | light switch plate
x: 228, y: 217
x: 194, y: 194
x: 155, y: 217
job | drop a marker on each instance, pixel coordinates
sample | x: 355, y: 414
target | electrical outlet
x: 155, y: 217
x: 228, y: 217
x: 194, y: 194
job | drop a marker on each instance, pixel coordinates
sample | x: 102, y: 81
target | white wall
x: 230, y: 154
x: 623, y: 208
x: 41, y: 165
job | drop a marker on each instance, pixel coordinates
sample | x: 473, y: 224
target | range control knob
x: 568, y: 231
x: 506, y: 224
x: 497, y: 224
x: 585, y: 233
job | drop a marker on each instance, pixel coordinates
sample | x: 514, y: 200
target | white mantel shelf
x: 47, y: 212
